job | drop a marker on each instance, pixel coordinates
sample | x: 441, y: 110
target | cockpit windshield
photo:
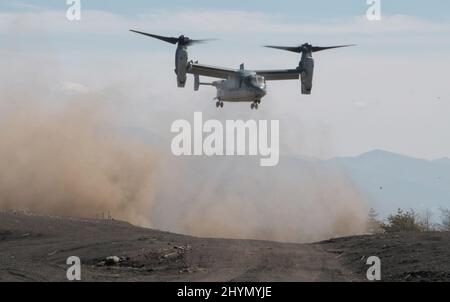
x: 257, y: 81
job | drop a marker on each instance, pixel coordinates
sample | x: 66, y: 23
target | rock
x: 112, y: 260
x: 183, y: 248
x: 170, y: 255
x: 185, y: 271
x: 191, y: 270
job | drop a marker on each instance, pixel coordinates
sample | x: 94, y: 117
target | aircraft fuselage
x: 245, y: 86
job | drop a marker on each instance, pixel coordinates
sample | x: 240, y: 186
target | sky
x: 389, y: 92
x: 320, y: 10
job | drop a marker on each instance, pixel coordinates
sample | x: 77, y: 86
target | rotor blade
x: 192, y: 42
x: 318, y: 48
x: 170, y: 40
x: 296, y: 49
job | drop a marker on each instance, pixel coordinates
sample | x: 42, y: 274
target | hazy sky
x: 390, y: 92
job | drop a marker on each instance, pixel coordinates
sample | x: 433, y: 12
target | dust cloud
x: 68, y: 161
x: 298, y: 201
x: 65, y: 155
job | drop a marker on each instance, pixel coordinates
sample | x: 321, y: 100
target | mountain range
x: 394, y: 181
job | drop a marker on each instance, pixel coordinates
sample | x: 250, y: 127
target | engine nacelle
x: 307, y: 67
x: 181, y: 65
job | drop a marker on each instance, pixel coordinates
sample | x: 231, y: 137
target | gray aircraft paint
x: 241, y: 85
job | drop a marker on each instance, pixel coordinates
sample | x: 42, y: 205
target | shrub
x: 402, y: 222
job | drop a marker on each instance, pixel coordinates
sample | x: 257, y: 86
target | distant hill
x: 396, y: 181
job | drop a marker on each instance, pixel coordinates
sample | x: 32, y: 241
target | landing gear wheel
x: 217, y: 104
x: 252, y: 106
x: 258, y: 101
x: 221, y: 104
x: 256, y: 106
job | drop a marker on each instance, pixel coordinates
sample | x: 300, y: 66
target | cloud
x: 360, y: 104
x: 73, y: 87
x: 24, y: 5
x: 209, y: 21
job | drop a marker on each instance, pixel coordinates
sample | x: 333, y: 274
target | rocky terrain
x: 36, y: 247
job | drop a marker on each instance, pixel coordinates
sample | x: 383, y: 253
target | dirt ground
x: 404, y: 257
x: 35, y: 248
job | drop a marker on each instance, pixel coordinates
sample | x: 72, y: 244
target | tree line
x: 409, y: 221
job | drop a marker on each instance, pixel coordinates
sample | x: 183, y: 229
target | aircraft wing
x: 279, y: 74
x: 210, y: 71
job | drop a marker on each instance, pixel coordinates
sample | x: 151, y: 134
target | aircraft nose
x: 261, y: 91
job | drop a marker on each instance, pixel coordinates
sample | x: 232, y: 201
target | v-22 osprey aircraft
x: 241, y: 85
